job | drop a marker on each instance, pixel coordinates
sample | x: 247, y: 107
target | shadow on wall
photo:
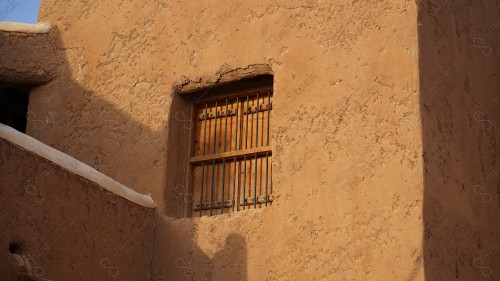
x: 179, y: 257
x: 86, y: 125
x: 231, y: 261
x: 459, y: 65
x: 67, y: 227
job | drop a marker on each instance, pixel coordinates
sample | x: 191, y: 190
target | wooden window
x: 231, y: 155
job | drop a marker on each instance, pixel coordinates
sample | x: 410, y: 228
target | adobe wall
x: 27, y: 58
x: 459, y: 58
x: 347, y: 169
x: 366, y: 186
x: 67, y: 227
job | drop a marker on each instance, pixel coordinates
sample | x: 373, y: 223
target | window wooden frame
x: 237, y: 106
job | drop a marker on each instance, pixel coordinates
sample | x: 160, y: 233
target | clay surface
x: 67, y: 227
x: 378, y: 146
x: 27, y: 58
x: 73, y: 166
x: 459, y: 61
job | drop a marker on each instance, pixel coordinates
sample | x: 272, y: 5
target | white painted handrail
x: 74, y: 166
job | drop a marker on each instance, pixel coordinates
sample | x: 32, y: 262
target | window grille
x: 231, y: 154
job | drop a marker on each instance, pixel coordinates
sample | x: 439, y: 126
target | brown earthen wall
x: 459, y: 61
x: 125, y: 59
x: 66, y: 226
x: 352, y: 199
x: 27, y: 59
x: 345, y: 128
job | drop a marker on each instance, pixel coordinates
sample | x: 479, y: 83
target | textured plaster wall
x: 459, y: 58
x: 354, y: 197
x: 384, y: 150
x: 67, y: 227
x: 27, y: 58
x: 347, y: 146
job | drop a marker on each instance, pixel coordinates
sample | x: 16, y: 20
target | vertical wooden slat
x: 205, y: 112
x: 189, y: 176
x: 256, y: 145
x: 236, y: 133
x: 223, y: 169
